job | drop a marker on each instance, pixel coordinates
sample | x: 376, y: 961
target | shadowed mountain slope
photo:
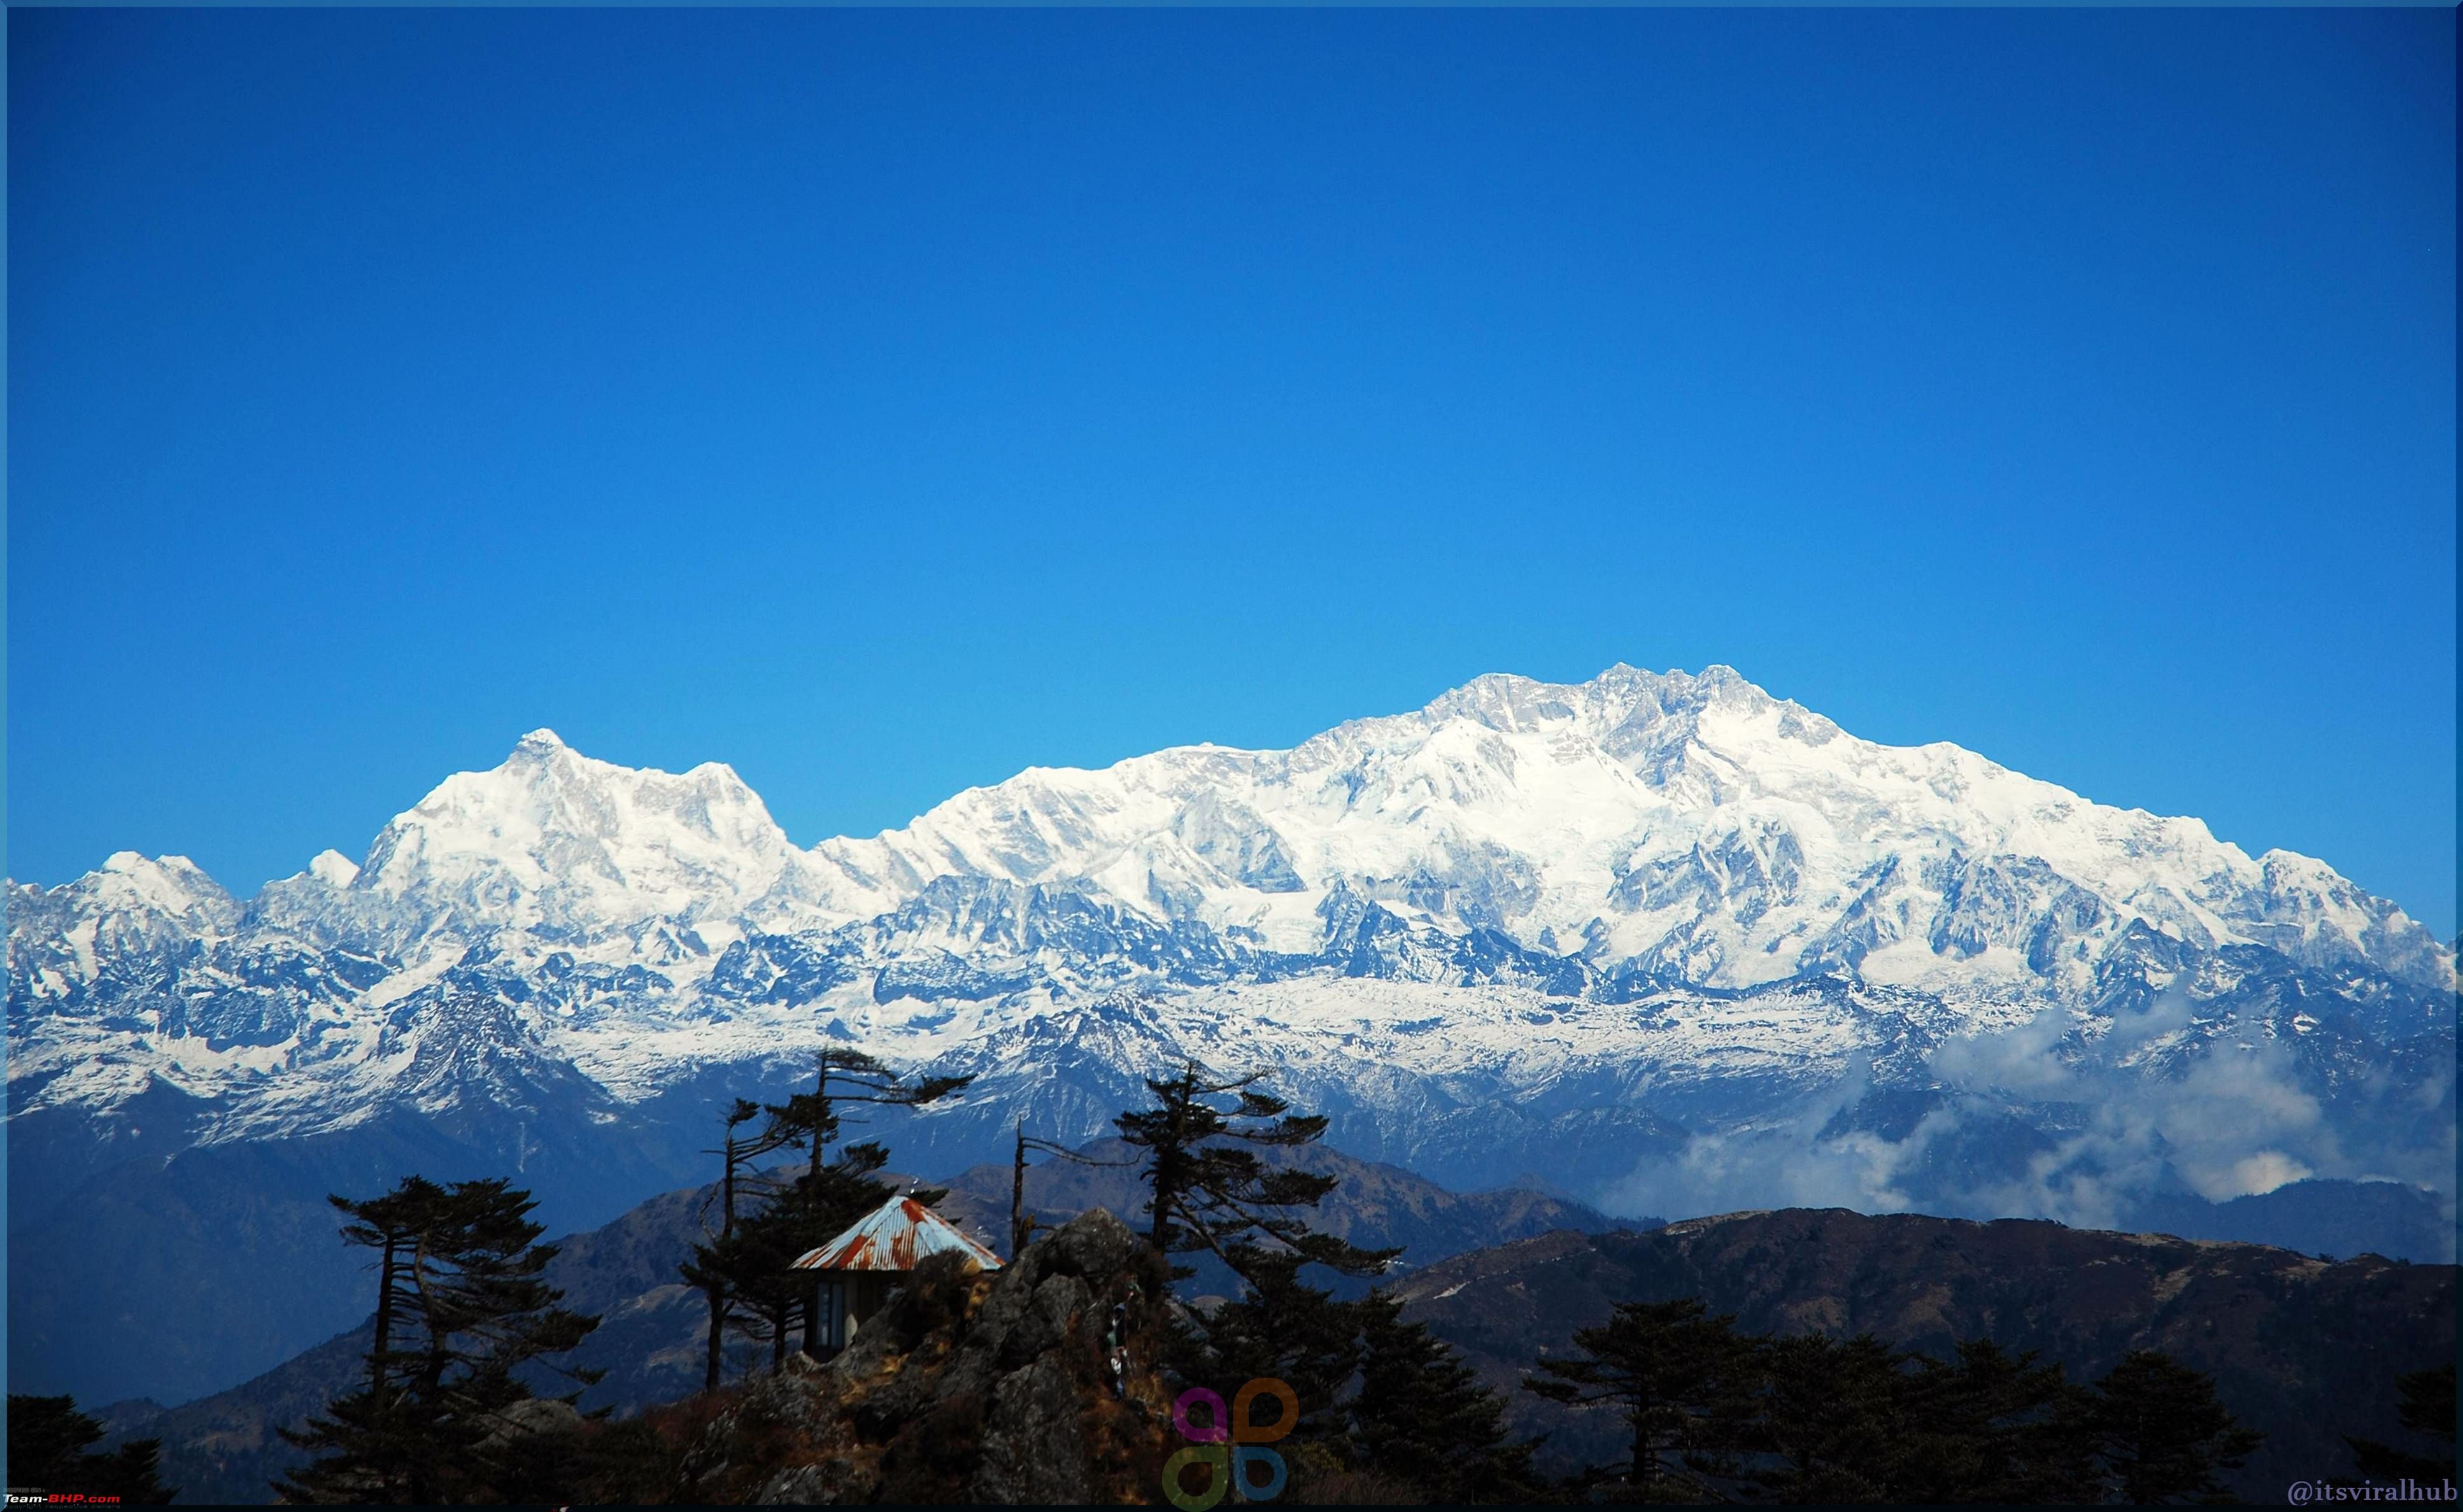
x: 2304, y: 1351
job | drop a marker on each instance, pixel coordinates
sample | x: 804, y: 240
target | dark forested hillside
x: 2304, y: 1349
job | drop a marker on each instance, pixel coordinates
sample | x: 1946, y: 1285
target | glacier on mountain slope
x: 1636, y: 921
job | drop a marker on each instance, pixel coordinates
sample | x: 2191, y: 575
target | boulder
x: 1045, y: 1319
x: 1034, y: 1450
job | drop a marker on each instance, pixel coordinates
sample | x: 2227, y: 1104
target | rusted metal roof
x: 895, y: 1236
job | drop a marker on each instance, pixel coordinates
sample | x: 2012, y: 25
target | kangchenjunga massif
x: 1658, y: 942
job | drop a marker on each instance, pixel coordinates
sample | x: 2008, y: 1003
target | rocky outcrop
x: 969, y: 1387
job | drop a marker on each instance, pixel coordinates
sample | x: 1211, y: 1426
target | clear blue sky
x: 882, y: 403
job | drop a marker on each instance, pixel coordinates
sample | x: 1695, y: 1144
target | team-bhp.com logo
x: 1235, y: 1463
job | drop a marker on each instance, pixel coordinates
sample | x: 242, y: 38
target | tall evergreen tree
x: 2160, y: 1434
x: 2426, y: 1407
x: 1282, y: 1327
x: 1420, y: 1415
x: 1208, y: 1190
x: 1994, y: 1427
x: 767, y: 1296
x: 50, y: 1449
x: 718, y: 1262
x: 473, y: 1308
x: 388, y: 1225
x: 1833, y: 1423
x: 1682, y: 1379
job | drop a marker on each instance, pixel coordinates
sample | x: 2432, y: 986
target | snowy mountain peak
x: 169, y: 888
x: 334, y: 869
x: 553, y: 838
x: 1690, y: 823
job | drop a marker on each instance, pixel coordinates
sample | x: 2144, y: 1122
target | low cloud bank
x: 2040, y: 1120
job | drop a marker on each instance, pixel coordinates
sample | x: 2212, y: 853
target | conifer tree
x: 388, y: 1225
x: 472, y: 1308
x: 1282, y: 1327
x: 1833, y: 1423
x: 717, y: 1264
x: 766, y: 1295
x: 1682, y: 1379
x: 1994, y: 1427
x: 50, y: 1449
x: 844, y: 1076
x: 1208, y: 1190
x: 2160, y: 1434
x: 1421, y: 1415
x: 2426, y: 1407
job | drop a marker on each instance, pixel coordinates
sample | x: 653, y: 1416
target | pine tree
x: 1206, y: 1191
x: 50, y: 1449
x: 1682, y: 1379
x: 718, y: 1262
x: 2160, y: 1434
x: 467, y: 1290
x: 767, y: 1297
x: 2426, y: 1407
x: 1422, y: 1417
x: 1993, y: 1427
x: 1833, y: 1421
x: 1282, y: 1327
x: 388, y: 1225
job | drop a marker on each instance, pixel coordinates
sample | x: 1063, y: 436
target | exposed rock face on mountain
x: 2304, y: 1349
x: 1674, y: 942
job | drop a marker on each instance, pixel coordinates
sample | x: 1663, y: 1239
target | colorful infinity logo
x: 1237, y: 1464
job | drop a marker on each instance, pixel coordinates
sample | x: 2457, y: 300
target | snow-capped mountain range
x: 1638, y: 838
x: 1662, y: 938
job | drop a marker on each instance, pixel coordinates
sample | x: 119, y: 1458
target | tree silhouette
x: 1834, y: 1419
x: 1683, y: 1380
x: 716, y: 1263
x: 743, y: 1268
x: 1282, y: 1327
x: 2428, y: 1407
x: 1422, y: 1417
x: 1994, y: 1427
x: 1207, y: 1190
x: 843, y: 1075
x: 439, y: 1420
x: 49, y: 1444
x: 2160, y: 1434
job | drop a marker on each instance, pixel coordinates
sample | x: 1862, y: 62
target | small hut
x: 854, y: 1273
